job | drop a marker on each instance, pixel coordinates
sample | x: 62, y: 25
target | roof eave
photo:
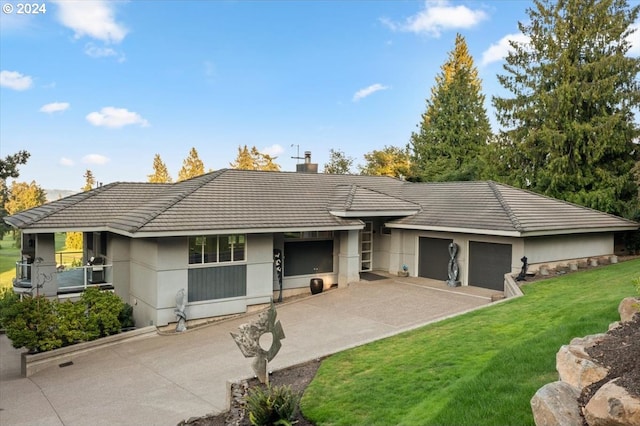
x: 373, y: 213
x: 457, y: 230
x: 543, y: 232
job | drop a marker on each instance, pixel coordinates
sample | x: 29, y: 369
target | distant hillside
x: 56, y: 194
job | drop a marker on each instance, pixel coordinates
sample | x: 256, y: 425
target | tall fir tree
x: 454, y: 128
x: 160, y: 172
x: 569, y: 127
x: 192, y: 166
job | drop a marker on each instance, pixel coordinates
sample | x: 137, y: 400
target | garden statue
x: 181, y: 303
x: 523, y: 273
x: 248, y: 340
x: 452, y: 270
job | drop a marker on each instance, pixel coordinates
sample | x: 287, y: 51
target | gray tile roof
x: 490, y: 206
x: 252, y: 201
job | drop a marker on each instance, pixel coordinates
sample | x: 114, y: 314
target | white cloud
x: 634, y: 40
x: 67, y: 162
x: 115, y: 118
x: 91, y: 18
x: 94, y: 51
x: 95, y: 159
x: 14, y: 80
x: 273, y: 150
x: 363, y: 93
x: 438, y: 16
x: 498, y: 51
x: 55, y: 107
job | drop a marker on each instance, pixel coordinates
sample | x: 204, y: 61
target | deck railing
x: 68, y: 280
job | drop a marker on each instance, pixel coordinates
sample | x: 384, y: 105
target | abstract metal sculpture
x: 523, y: 272
x: 452, y: 270
x: 248, y: 340
x: 181, y: 304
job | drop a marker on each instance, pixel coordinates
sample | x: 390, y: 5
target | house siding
x: 567, y: 247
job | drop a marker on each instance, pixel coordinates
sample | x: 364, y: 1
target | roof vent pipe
x: 307, y: 157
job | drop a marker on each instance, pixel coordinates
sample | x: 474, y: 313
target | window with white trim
x: 217, y: 249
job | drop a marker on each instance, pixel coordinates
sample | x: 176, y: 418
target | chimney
x: 307, y: 166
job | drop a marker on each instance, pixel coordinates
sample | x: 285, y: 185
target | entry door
x: 366, y: 247
x: 488, y: 262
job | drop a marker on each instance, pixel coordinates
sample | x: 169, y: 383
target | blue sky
x: 106, y: 85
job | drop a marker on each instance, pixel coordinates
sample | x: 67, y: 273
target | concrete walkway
x: 163, y: 379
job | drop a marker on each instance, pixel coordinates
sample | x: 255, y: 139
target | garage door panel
x: 433, y: 255
x: 488, y: 262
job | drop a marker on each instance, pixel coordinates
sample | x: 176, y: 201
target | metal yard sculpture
x: 248, y: 340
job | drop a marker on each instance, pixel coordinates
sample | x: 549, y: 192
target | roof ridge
x: 348, y: 202
x: 505, y: 206
x: 173, y: 199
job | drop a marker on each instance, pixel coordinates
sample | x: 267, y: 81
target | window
x: 217, y: 249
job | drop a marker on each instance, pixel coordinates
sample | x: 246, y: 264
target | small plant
x: 275, y: 405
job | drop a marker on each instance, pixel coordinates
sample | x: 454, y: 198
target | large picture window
x: 217, y: 249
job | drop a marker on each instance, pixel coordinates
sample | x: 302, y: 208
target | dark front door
x: 488, y: 262
x: 433, y: 258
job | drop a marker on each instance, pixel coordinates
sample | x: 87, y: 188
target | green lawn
x: 9, y: 254
x: 481, y: 368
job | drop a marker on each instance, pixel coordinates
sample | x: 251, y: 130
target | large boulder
x: 556, y: 404
x: 577, y: 368
x: 612, y: 405
x: 628, y: 307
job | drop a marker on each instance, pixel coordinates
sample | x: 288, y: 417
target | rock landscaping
x: 599, y: 378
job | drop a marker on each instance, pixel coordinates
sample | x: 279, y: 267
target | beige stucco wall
x: 566, y: 247
x: 118, y: 255
x: 159, y: 269
x: 143, y: 284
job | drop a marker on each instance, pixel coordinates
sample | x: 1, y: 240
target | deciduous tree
x: 192, y: 166
x: 455, y: 127
x: 569, y: 123
x: 23, y: 196
x: 339, y: 163
x: 390, y: 161
x: 160, y: 172
x: 254, y: 160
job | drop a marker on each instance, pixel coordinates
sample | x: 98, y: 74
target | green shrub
x: 8, y: 300
x: 32, y: 323
x: 126, y: 316
x: 272, y: 405
x: 40, y: 324
x: 102, y: 309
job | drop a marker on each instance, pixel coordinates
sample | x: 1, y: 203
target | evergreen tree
x: 569, y: 127
x: 339, y: 163
x: 160, y: 172
x: 390, y: 161
x: 192, y: 166
x: 9, y: 169
x: 89, y: 181
x: 454, y: 128
x: 254, y: 160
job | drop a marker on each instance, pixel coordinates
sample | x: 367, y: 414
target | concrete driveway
x: 163, y: 379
